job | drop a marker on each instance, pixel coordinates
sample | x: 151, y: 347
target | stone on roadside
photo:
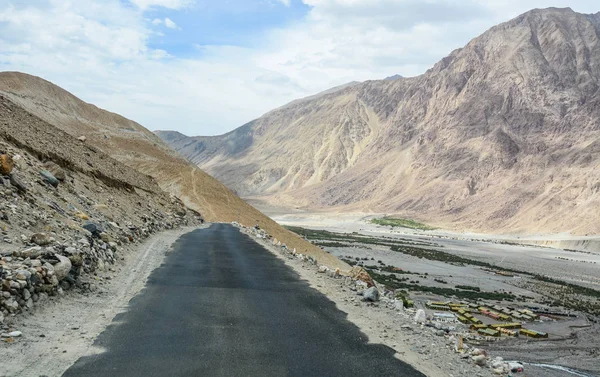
x: 480, y: 360
x: 420, y: 316
x: 399, y: 305
x: 371, y: 294
x: 359, y: 273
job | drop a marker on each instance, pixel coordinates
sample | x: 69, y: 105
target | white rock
x: 398, y: 305
x: 62, y: 268
x: 420, y: 316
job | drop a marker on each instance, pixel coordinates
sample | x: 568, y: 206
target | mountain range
x: 501, y: 135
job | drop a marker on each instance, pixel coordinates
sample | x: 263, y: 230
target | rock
x: 420, y: 316
x: 41, y: 239
x: 399, y: 305
x: 55, y: 170
x: 480, y: 360
x: 440, y: 333
x: 6, y: 164
x: 477, y: 352
x: 323, y: 269
x: 359, y: 273
x: 1, y: 317
x: 515, y: 367
x: 32, y: 252
x: 82, y: 216
x: 62, y: 268
x: 371, y: 294
x: 106, y: 237
x: 16, y: 181
x: 82, y: 139
x: 15, y: 334
x: 94, y: 228
x: 49, y: 178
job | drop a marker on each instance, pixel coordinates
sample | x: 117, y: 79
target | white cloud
x: 287, y: 3
x: 170, y: 4
x: 101, y: 52
x: 170, y: 24
x: 167, y: 22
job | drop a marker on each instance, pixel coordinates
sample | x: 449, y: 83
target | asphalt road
x: 222, y: 305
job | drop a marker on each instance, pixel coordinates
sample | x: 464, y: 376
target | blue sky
x: 234, y: 22
x: 205, y: 67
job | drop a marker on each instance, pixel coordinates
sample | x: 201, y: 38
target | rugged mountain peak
x: 497, y: 136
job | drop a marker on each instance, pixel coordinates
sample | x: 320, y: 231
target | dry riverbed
x: 573, y: 341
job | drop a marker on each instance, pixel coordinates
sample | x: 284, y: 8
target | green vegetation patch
x: 401, y: 223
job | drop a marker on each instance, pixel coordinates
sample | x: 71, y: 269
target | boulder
x: 41, y: 239
x: 55, y: 170
x: 49, y: 178
x: 82, y: 139
x: 6, y: 164
x: 371, y: 294
x: 62, y: 268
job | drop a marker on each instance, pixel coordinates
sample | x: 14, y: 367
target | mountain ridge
x: 484, y: 140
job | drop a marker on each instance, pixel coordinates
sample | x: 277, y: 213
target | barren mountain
x: 137, y: 148
x: 501, y: 135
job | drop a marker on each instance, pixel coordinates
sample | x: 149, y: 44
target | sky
x: 205, y: 67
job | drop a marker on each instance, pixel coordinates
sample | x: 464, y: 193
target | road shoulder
x: 58, y: 334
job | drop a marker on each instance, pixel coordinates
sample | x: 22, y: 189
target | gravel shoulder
x: 63, y: 330
x: 383, y: 324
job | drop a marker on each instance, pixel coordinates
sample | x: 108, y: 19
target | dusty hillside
x: 69, y: 213
x: 136, y: 147
x: 500, y: 136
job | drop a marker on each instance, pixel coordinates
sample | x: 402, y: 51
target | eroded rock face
x: 484, y: 140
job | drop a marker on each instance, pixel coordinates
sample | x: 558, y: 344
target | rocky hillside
x: 501, y: 135
x: 148, y: 163
x: 68, y: 211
